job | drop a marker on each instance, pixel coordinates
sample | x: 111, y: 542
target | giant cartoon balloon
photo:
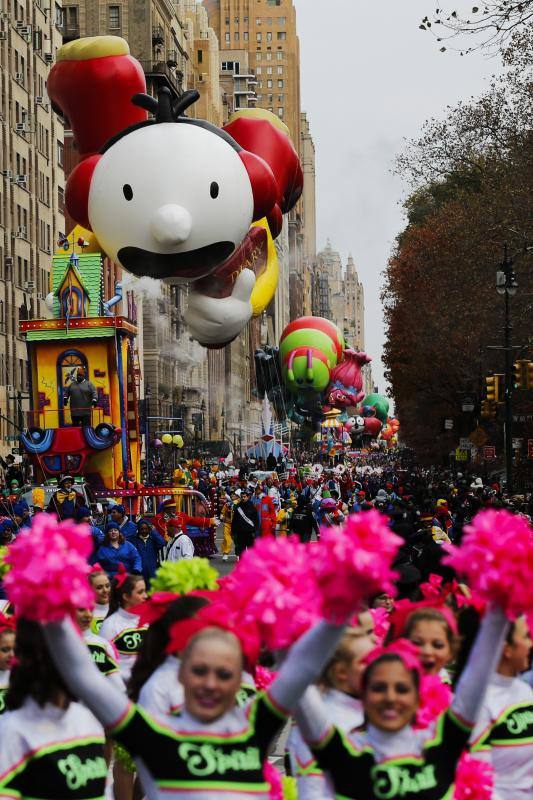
x: 346, y: 381
x: 376, y: 405
x: 310, y: 347
x: 174, y: 197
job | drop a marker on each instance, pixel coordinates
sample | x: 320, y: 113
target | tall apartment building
x: 31, y: 188
x: 339, y: 295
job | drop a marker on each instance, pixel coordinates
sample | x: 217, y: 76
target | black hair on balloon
x: 165, y: 109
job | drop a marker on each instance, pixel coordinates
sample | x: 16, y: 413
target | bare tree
x: 488, y: 26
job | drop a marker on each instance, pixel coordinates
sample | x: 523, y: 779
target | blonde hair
x: 342, y: 655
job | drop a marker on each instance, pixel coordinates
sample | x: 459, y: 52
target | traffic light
x: 488, y: 409
x: 520, y: 374
x: 495, y: 384
x: 529, y: 375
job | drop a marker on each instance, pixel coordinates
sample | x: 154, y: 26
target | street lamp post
x: 506, y: 284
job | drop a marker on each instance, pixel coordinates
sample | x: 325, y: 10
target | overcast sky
x: 370, y: 78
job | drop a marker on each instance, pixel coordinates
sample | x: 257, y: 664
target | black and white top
x: 126, y: 634
x: 51, y: 753
x: 104, y: 656
x: 504, y: 733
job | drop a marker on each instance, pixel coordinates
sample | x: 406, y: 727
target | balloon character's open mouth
x: 191, y: 264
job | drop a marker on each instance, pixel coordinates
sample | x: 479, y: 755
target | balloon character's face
x: 340, y: 398
x: 170, y: 201
x: 355, y: 425
x: 306, y: 374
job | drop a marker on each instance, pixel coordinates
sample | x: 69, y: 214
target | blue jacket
x: 128, y: 529
x: 110, y: 557
x: 149, y: 550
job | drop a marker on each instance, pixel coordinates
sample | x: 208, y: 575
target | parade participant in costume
x: 65, y: 500
x: 50, y: 746
x: 102, y: 652
x: 391, y: 755
x: 303, y: 522
x: 21, y: 514
x: 83, y: 517
x: 244, y: 523
x: 7, y: 531
x: 226, y: 515
x: 504, y: 731
x: 116, y: 550
x: 121, y: 627
x: 99, y: 582
x: 340, y: 685
x: 179, y: 545
x: 7, y: 653
x: 82, y: 396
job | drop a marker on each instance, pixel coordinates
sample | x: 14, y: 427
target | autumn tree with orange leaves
x: 470, y: 179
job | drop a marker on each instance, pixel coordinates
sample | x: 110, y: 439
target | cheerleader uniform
x: 223, y: 759
x: 126, y: 634
x: 100, y: 612
x: 346, y: 713
x: 4, y: 685
x: 51, y: 753
x: 504, y: 732
x: 105, y: 657
x: 411, y: 764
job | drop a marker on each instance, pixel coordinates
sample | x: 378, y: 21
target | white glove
x: 218, y: 320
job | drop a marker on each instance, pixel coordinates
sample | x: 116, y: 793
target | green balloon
x: 380, y: 403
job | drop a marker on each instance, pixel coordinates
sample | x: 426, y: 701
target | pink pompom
x: 380, y: 618
x: 48, y: 576
x: 263, y: 677
x: 273, y: 777
x: 353, y: 563
x: 435, y: 698
x: 496, y: 556
x: 273, y: 585
x: 474, y: 780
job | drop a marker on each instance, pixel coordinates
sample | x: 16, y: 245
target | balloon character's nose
x: 171, y: 225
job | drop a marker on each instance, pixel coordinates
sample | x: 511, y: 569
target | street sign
x: 478, y: 437
x: 530, y: 448
x: 465, y: 443
x: 489, y: 453
x: 468, y: 404
x: 517, y: 444
x: 448, y: 424
x: 461, y: 455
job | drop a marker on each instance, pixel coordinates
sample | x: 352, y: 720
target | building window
x: 269, y: 84
x: 245, y: 36
x: 60, y: 199
x: 281, y: 36
x: 259, y: 36
x: 280, y: 84
x: 273, y: 2
x: 258, y: 56
x: 258, y: 70
x: 280, y: 56
x: 200, y: 56
x: 114, y: 17
x: 236, y: 36
x: 269, y: 36
x: 236, y: 20
x: 245, y: 20
x: 269, y: 56
x: 258, y: 21
x: 280, y: 70
x: 72, y: 17
x: 228, y: 38
x: 60, y: 153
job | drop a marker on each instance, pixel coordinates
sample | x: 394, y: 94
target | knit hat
x: 82, y: 512
x: 111, y: 526
x: 20, y: 507
x: 120, y: 509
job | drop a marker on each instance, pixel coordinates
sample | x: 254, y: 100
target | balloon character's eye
x: 127, y: 191
x: 214, y: 190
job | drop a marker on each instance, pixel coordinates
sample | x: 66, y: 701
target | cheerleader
x: 102, y: 652
x: 7, y: 653
x: 340, y: 685
x: 214, y: 749
x: 50, y: 746
x: 391, y: 759
x: 434, y: 632
x: 504, y: 731
x: 101, y: 586
x: 154, y: 680
x: 121, y: 627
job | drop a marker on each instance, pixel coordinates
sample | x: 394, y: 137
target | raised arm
x: 482, y: 662
x: 82, y: 676
x: 304, y: 663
